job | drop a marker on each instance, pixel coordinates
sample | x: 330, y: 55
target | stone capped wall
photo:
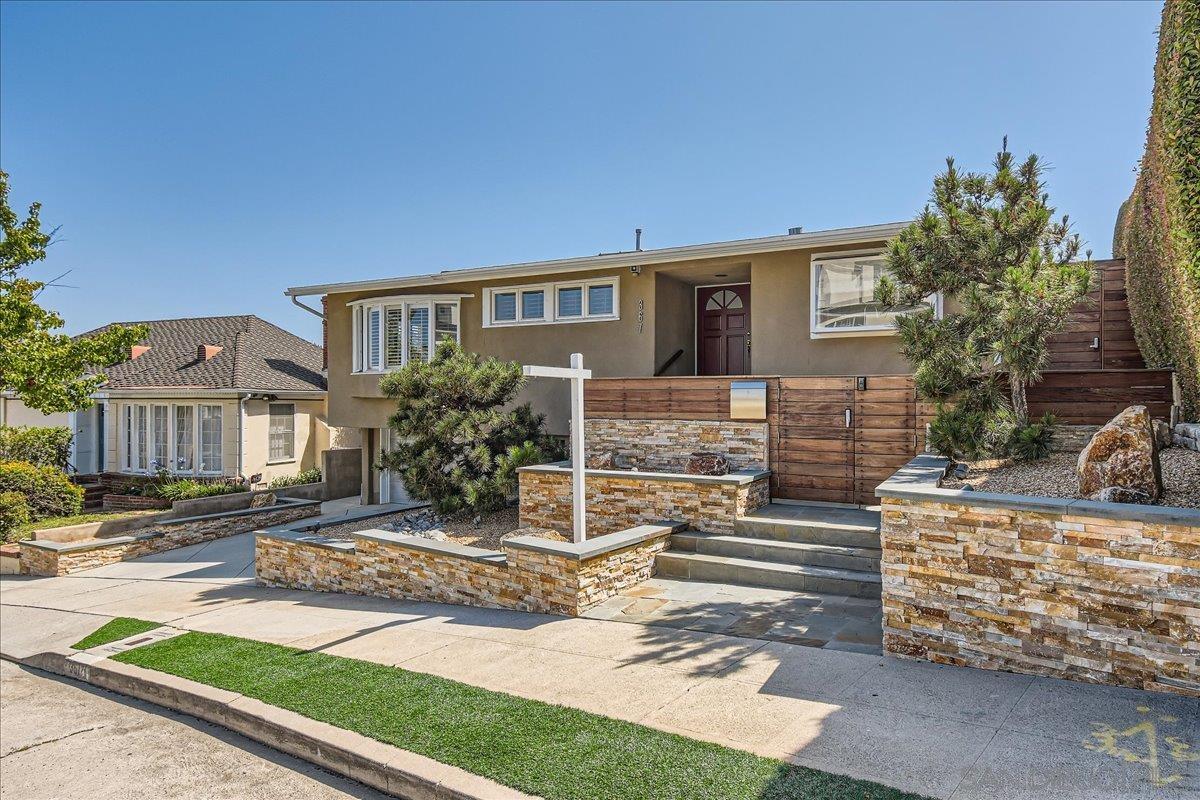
x: 529, y: 575
x: 665, y: 444
x: 617, y: 500
x: 1098, y: 592
x: 50, y: 558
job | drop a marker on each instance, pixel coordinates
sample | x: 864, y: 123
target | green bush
x: 45, y: 447
x: 1032, y: 441
x: 14, y: 512
x: 307, y: 476
x: 47, y: 490
x: 188, y: 489
x: 459, y: 442
x: 1159, y: 232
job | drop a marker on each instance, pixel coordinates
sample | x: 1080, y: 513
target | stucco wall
x: 657, y: 311
x: 310, y: 431
x: 15, y: 414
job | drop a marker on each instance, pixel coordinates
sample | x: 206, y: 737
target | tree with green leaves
x: 458, y: 441
x: 48, y: 371
x: 1008, y: 275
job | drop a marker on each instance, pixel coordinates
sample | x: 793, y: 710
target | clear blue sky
x: 200, y: 158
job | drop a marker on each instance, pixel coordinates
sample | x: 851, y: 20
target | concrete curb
x: 381, y: 766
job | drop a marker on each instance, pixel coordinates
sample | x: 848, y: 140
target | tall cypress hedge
x: 1159, y: 229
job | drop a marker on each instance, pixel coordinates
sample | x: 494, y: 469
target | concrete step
x: 863, y: 559
x: 767, y: 574
x: 846, y: 527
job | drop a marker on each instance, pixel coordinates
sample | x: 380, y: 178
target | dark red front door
x: 723, y: 330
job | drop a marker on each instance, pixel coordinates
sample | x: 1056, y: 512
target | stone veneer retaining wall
x: 49, y: 558
x: 531, y: 574
x: 618, y: 499
x: 665, y: 444
x: 1097, y: 592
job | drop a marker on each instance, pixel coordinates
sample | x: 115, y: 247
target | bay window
x: 843, y: 296
x: 210, y: 438
x: 592, y: 300
x: 159, y: 437
x: 389, y: 332
x: 184, y: 420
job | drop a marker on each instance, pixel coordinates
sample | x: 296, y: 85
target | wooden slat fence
x: 818, y: 452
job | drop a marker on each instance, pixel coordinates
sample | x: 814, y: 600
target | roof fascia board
x: 738, y: 247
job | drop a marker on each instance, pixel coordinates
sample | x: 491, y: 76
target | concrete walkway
x: 942, y: 731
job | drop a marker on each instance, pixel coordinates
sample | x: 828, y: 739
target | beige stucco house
x: 797, y: 304
x: 206, y: 397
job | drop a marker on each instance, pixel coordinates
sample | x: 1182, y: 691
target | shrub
x: 47, y: 490
x: 188, y: 489
x: 14, y: 512
x: 1032, y: 441
x: 458, y: 446
x: 45, y: 447
x: 307, y: 476
x: 1160, y: 223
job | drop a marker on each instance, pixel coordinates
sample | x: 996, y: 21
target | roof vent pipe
x: 637, y: 239
x: 796, y: 230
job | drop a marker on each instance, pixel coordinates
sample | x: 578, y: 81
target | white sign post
x: 577, y: 374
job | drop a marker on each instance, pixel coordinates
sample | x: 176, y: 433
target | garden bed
x: 50, y: 523
x: 485, y: 530
x: 1055, y: 476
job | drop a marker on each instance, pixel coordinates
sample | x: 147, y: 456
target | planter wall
x: 1097, y: 592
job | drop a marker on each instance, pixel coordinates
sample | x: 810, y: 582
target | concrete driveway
x: 943, y: 731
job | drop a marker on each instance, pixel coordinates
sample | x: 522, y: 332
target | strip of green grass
x: 555, y: 752
x: 113, y: 630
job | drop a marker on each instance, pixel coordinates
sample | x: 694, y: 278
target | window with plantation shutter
x: 282, y: 432
x: 391, y: 332
x: 393, y: 338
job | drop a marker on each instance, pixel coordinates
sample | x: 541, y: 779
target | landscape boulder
x: 707, y: 464
x: 1122, y: 454
x: 263, y: 500
x: 1162, y: 434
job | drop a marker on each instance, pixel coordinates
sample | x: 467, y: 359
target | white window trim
x: 198, y: 447
x: 361, y: 320
x: 140, y: 464
x: 289, y: 459
x: 816, y: 332
x: 550, y: 312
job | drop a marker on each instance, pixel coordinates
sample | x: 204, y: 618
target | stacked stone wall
x: 617, y: 502
x: 666, y: 444
x: 1104, y: 593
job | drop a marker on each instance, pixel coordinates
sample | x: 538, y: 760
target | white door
x: 391, y: 486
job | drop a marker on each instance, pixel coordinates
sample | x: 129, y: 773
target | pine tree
x: 459, y: 442
x: 1009, y: 279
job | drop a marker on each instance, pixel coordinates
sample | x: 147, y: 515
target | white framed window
x: 183, y: 458
x: 160, y: 438
x: 209, y: 418
x: 389, y: 332
x: 843, y: 296
x: 281, y: 432
x: 593, y: 300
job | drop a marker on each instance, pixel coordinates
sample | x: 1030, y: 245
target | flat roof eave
x: 832, y: 237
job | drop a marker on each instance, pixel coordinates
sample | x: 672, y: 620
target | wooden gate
x: 835, y: 439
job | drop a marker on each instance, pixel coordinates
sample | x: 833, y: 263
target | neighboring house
x: 799, y: 304
x: 207, y: 397
x: 14, y: 413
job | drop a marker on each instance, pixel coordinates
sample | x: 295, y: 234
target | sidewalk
x: 942, y: 731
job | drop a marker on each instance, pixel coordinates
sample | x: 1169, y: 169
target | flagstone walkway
x: 942, y: 731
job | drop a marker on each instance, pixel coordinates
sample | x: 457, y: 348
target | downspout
x: 309, y: 309
x: 241, y: 437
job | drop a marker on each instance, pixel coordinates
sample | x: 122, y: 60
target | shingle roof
x: 255, y: 355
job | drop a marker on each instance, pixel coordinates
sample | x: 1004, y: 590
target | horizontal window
x: 161, y: 437
x: 395, y: 331
x: 843, y: 296
x: 592, y: 300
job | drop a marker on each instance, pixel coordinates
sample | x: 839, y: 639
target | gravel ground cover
x: 484, y: 530
x: 1056, y: 477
